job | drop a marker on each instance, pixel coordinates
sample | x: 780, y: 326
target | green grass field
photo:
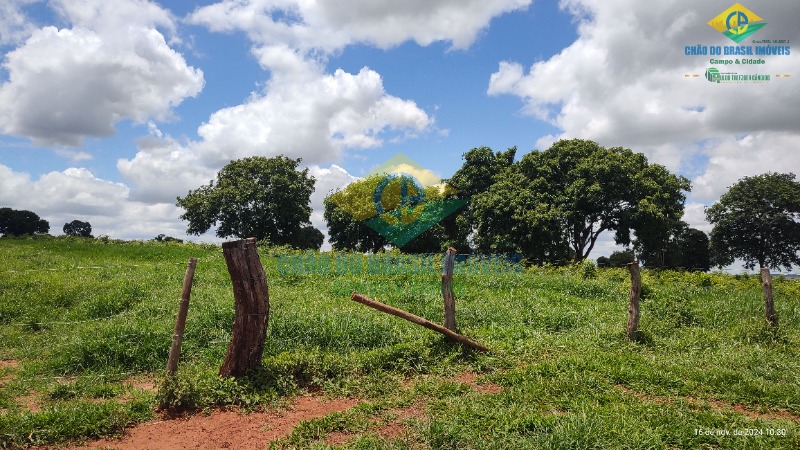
x: 84, y: 322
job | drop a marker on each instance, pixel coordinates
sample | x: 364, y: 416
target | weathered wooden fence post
x: 448, y: 296
x: 251, y: 307
x: 180, y: 322
x: 633, y: 300
x: 769, y: 302
x: 382, y: 307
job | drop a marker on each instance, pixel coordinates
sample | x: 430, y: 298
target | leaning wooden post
x: 180, y: 322
x: 633, y: 299
x: 769, y: 302
x: 364, y: 300
x: 447, y: 289
x: 251, y: 307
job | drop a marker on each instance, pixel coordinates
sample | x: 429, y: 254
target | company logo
x: 399, y: 200
x: 715, y: 76
x: 712, y: 74
x: 737, y: 22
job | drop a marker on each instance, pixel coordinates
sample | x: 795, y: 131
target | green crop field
x: 86, y: 324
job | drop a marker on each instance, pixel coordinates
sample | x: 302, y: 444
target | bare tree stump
x: 180, y: 322
x: 769, y: 302
x: 633, y: 300
x: 448, y: 296
x: 251, y: 307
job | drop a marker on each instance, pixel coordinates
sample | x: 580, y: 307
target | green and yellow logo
x: 737, y: 22
x: 712, y: 74
x: 399, y: 200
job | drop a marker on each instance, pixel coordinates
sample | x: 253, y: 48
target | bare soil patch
x: 718, y: 404
x: 222, y: 429
x: 470, y: 379
x: 392, y: 429
x: 7, y: 364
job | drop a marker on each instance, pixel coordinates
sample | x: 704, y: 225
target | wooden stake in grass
x: 633, y: 299
x: 448, y: 296
x: 769, y: 302
x: 251, y: 306
x: 417, y: 320
x: 180, y: 322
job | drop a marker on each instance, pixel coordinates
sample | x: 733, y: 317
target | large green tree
x: 348, y: 210
x: 20, y: 222
x: 555, y: 203
x: 693, y: 250
x: 347, y: 230
x: 476, y: 175
x: 265, y: 198
x: 685, y: 248
x: 758, y: 221
x: 78, y: 228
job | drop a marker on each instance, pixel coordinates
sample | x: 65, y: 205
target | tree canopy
x: 310, y: 238
x: 476, y: 175
x: 20, y: 222
x: 758, y: 221
x: 78, y: 228
x: 265, y: 198
x: 404, y: 215
x: 554, y: 204
x: 684, y: 248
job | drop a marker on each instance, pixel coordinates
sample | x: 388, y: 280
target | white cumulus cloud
x: 330, y: 25
x: 112, y: 65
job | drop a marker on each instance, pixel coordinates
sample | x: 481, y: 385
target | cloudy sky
x: 109, y: 110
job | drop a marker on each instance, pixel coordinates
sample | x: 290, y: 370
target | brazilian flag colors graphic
x: 737, y: 22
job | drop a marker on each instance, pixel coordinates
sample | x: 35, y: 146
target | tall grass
x: 84, y: 317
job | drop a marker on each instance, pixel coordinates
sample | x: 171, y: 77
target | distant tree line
x: 551, y: 206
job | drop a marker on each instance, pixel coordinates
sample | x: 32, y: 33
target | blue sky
x: 108, y: 110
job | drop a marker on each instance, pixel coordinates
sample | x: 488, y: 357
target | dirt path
x: 221, y: 429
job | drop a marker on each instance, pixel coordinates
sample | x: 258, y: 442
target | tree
x: 352, y: 216
x: 758, y: 221
x: 510, y: 217
x: 348, y: 231
x: 557, y: 202
x: 20, y: 222
x: 621, y: 258
x: 164, y: 238
x: 693, y: 251
x: 684, y: 248
x: 78, y: 228
x: 264, y: 198
x: 310, y: 238
x: 476, y: 175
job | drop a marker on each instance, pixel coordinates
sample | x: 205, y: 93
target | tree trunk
x: 251, y: 307
x: 769, y: 303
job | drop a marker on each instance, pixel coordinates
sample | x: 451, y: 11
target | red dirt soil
x: 738, y: 407
x: 221, y: 429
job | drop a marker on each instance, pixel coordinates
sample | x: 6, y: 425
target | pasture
x: 86, y: 326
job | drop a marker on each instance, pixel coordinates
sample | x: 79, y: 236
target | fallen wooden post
x: 417, y: 320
